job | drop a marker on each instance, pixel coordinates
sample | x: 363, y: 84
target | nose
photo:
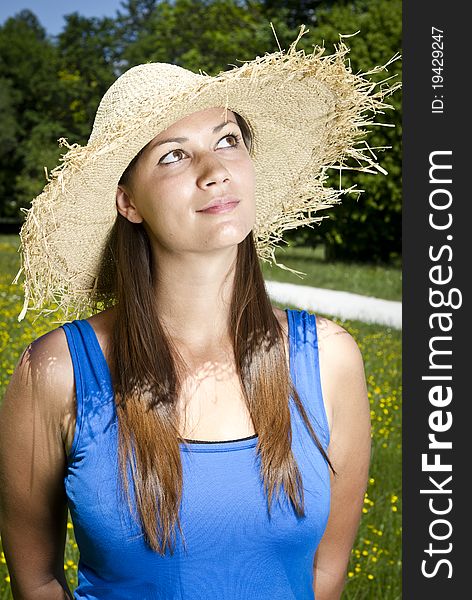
x: 211, y: 171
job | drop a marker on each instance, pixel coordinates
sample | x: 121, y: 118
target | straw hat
x: 306, y: 113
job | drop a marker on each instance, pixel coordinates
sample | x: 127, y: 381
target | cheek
x: 251, y: 216
x: 154, y: 201
x: 164, y: 212
x: 251, y: 177
x: 250, y: 188
x: 244, y: 175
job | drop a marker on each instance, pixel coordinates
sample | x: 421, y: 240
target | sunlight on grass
x: 369, y: 280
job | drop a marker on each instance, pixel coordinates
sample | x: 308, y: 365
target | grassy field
x: 369, y: 280
x: 375, y: 568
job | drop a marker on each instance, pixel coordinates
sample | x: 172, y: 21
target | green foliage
x: 87, y: 49
x: 203, y: 35
x: 39, y: 149
x: 8, y: 130
x: 8, y: 136
x: 49, y: 90
x: 368, y: 228
x: 27, y: 70
x: 28, y: 61
x: 298, y: 11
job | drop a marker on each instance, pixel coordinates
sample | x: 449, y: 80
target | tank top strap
x: 87, y: 357
x: 93, y: 388
x: 305, y: 370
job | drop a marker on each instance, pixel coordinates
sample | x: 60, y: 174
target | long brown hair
x: 147, y: 374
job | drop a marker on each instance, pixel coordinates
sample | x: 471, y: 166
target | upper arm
x: 345, y: 392
x: 33, y: 506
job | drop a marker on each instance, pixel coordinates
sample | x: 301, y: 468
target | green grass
x: 375, y: 569
x: 369, y: 280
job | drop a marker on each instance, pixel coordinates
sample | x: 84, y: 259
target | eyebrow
x: 181, y: 140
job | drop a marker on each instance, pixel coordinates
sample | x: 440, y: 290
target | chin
x: 231, y: 233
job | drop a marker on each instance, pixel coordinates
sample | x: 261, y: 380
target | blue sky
x: 50, y: 12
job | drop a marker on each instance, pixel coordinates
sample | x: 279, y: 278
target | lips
x: 220, y: 203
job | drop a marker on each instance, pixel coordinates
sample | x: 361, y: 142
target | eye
x: 232, y: 136
x: 164, y: 160
x: 167, y: 158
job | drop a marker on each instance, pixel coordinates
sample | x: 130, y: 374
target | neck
x: 193, y: 296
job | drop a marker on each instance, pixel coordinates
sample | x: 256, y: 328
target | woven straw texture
x: 306, y: 112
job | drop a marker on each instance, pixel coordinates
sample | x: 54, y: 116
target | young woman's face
x: 199, y: 161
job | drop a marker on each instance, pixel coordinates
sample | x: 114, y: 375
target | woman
x: 168, y: 422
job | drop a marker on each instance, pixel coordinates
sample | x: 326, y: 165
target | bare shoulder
x: 44, y: 377
x: 50, y: 361
x: 334, y: 340
x: 341, y: 371
x: 102, y: 324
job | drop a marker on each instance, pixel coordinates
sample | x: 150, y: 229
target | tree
x: 27, y: 70
x: 367, y: 229
x: 298, y: 12
x: 88, y: 55
x: 51, y: 89
x: 135, y: 18
x: 208, y: 35
x: 39, y: 150
x: 8, y: 138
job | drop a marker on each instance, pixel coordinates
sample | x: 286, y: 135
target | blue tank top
x: 234, y: 550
